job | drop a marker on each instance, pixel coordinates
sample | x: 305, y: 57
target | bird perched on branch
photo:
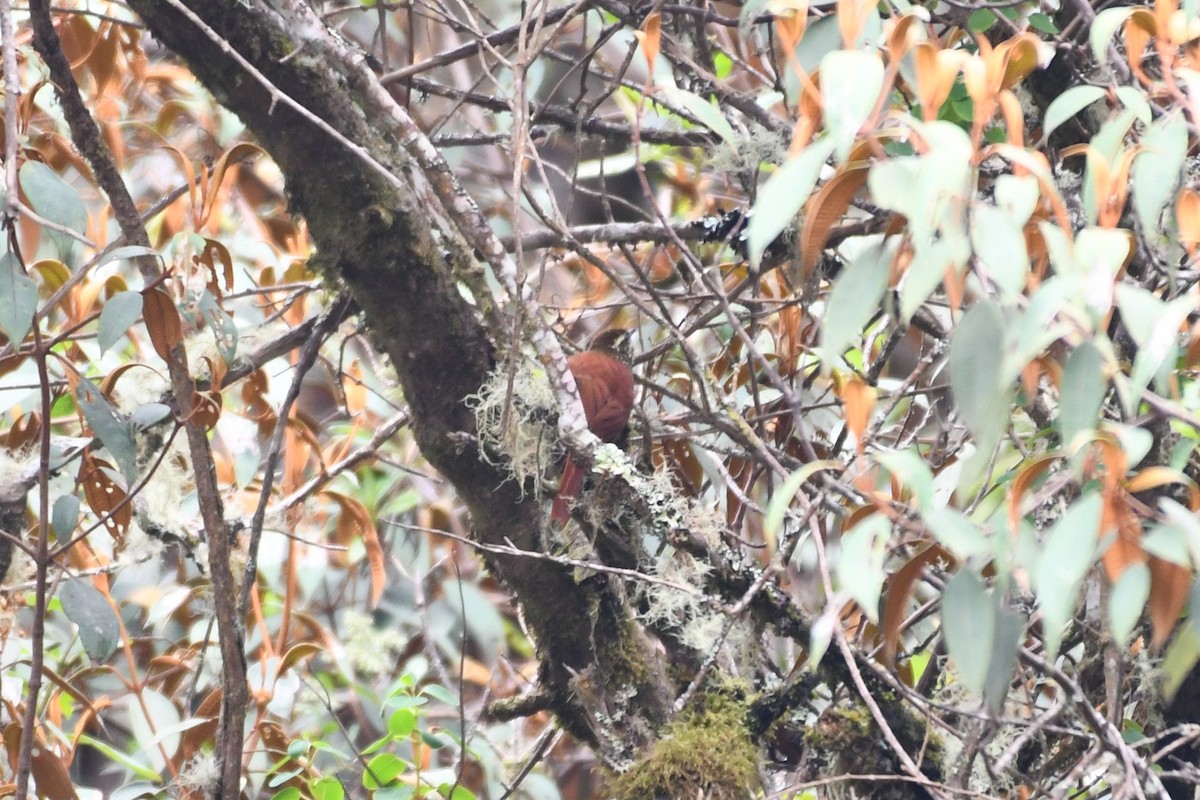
x: 605, y: 381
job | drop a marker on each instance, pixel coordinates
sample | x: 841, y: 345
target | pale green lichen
x: 511, y: 410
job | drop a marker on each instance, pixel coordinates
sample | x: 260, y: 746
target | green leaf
x: 53, y: 198
x: 704, y: 111
x: 382, y: 770
x: 1182, y: 655
x: 327, y: 788
x: 1170, y: 543
x: 976, y: 359
x: 87, y: 607
x: 18, y: 299
x: 820, y: 39
x: 851, y: 81
x: 1002, y: 662
x: 110, y: 427
x: 1067, y: 554
x: 1104, y: 27
x: 455, y: 792
x: 958, y: 533
x: 1067, y: 105
x: 1154, y: 326
x: 64, y: 516
x: 969, y: 625
x: 1083, y: 388
x: 783, y: 195
x: 1017, y: 196
x: 913, y: 473
x: 1042, y: 22
x: 154, y: 721
x: 1134, y: 99
x: 119, y: 314
x: 138, y: 768
x: 855, y: 298
x: 402, y: 723
x: 980, y: 20
x: 928, y: 267
x: 860, y: 566
x: 1158, y: 168
x: 481, y: 619
x: 1000, y: 245
x: 1126, y: 601
x: 287, y: 793
x: 439, y: 692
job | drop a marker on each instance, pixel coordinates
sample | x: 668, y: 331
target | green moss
x: 706, y: 753
x: 847, y: 741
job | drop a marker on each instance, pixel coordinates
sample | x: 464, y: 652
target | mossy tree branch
x: 384, y: 235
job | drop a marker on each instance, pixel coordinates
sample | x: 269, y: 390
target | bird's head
x: 615, y: 342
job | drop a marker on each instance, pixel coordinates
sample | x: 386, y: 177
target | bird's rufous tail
x: 568, y: 490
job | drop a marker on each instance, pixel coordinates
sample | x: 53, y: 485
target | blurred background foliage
x: 914, y: 296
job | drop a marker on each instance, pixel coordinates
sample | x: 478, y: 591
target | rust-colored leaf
x: 851, y: 15
x: 193, y: 739
x: 296, y: 653
x: 1169, y: 588
x: 900, y: 37
x: 1020, y: 57
x: 937, y: 71
x: 10, y: 362
x: 162, y: 321
x: 1029, y: 472
x: 51, y: 775
x: 1014, y: 117
x: 897, y: 594
x: 105, y: 496
x: 355, y: 519
x: 1126, y: 549
x: 218, y: 263
x: 240, y: 152
x: 826, y: 208
x: 206, y: 409
x: 25, y: 432
x: 858, y: 401
x: 1187, y: 216
x: 650, y: 37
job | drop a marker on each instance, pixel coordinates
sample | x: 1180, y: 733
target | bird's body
x: 605, y: 382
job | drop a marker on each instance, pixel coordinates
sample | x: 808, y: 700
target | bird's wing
x: 607, y: 411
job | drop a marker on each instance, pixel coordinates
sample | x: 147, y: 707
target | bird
x: 604, y: 376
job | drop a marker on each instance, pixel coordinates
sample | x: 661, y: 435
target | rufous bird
x: 605, y: 380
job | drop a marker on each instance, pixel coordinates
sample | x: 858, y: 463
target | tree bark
x: 384, y: 233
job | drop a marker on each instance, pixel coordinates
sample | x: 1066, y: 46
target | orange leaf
x: 858, y: 399
x: 826, y: 208
x: 48, y: 769
x: 1126, y: 549
x: 355, y: 514
x: 898, y: 593
x: 1026, y: 475
x: 1170, y: 585
x: 104, y: 495
x: 1187, y: 215
x: 650, y: 37
x: 937, y: 71
x: 297, y: 652
x: 236, y: 154
x: 162, y: 321
x: 851, y: 14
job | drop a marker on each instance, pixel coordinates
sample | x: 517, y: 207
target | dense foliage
x: 907, y: 507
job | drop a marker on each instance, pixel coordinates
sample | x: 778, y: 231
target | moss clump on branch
x: 849, y: 743
x: 706, y: 752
